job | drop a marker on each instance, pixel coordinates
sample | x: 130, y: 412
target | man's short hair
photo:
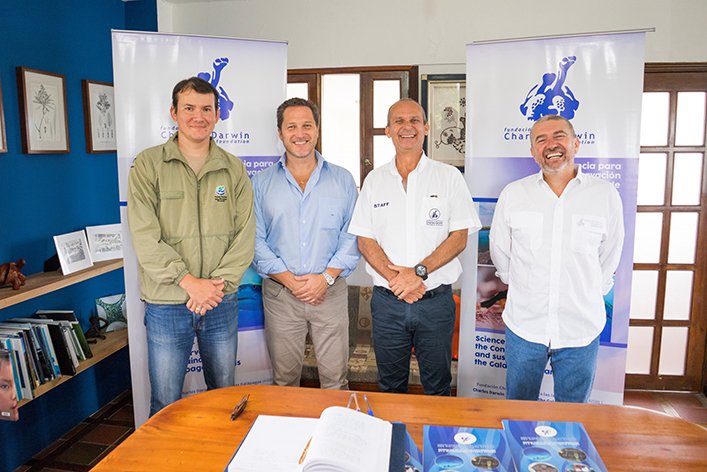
x: 196, y: 84
x: 297, y: 102
x: 424, y: 115
x: 554, y: 118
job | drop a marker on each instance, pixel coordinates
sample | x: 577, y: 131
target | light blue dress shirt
x: 304, y: 232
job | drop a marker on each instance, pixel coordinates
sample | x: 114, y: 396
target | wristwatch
x: 421, y: 271
x: 329, y: 279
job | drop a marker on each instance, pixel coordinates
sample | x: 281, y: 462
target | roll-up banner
x: 595, y: 81
x: 251, y: 78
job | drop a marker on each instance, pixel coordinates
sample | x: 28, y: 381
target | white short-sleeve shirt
x: 410, y: 225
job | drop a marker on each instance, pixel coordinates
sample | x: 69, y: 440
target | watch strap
x: 329, y: 279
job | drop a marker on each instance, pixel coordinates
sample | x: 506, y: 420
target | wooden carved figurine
x: 10, y: 274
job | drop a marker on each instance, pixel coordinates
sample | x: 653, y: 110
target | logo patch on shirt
x: 220, y: 193
x: 381, y: 205
x: 434, y: 217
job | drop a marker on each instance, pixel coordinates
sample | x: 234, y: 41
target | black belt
x: 428, y: 294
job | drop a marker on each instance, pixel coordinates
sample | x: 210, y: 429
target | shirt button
x: 304, y: 221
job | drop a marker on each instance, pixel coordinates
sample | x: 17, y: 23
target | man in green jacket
x: 190, y: 211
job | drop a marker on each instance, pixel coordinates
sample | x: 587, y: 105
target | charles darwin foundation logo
x: 225, y: 104
x: 220, y: 193
x: 551, y: 96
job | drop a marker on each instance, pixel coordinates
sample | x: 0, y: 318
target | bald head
x: 407, y: 101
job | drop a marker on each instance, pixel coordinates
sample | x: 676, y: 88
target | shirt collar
x: 321, y: 162
x: 216, y: 159
x: 580, y: 175
x: 421, y: 165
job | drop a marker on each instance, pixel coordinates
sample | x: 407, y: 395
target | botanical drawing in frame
x: 3, y: 136
x: 444, y: 97
x: 99, y: 116
x: 73, y: 252
x: 43, y: 115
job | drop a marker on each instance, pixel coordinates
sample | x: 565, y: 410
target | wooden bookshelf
x: 114, y: 342
x: 46, y: 282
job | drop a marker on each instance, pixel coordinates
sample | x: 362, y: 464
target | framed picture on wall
x: 73, y: 252
x: 99, y: 116
x: 444, y: 99
x: 3, y: 137
x: 43, y: 115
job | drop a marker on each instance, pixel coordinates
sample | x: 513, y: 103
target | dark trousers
x: 427, y: 325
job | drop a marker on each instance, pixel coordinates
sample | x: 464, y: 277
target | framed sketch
x: 3, y: 137
x: 99, y: 116
x: 43, y: 115
x: 105, y: 242
x: 73, y: 252
x: 444, y: 99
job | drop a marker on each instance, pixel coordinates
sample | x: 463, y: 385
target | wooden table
x: 196, y: 433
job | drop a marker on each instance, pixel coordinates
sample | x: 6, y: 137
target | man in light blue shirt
x: 303, y: 251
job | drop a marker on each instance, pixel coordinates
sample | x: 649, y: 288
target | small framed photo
x: 43, y: 115
x: 444, y: 99
x: 105, y: 242
x: 3, y: 136
x: 73, y: 252
x: 99, y: 116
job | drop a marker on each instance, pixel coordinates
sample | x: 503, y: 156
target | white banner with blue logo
x: 596, y: 81
x: 251, y: 78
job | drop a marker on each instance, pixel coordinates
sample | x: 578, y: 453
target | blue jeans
x: 170, y: 337
x: 427, y: 325
x: 573, y: 369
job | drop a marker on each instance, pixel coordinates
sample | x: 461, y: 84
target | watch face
x: 421, y: 270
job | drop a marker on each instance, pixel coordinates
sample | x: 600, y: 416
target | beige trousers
x: 287, y: 320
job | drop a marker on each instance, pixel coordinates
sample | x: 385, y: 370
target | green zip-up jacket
x: 185, y: 223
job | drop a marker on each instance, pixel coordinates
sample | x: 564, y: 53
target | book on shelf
x: 10, y: 356
x: 539, y: 446
x: 47, y: 341
x: 41, y: 369
x: 340, y: 440
x: 27, y: 382
x: 61, y: 349
x: 8, y: 392
x: 68, y: 315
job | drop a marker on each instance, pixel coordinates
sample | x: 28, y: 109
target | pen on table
x: 238, y: 409
x: 368, y: 405
x: 304, y: 453
x: 355, y: 399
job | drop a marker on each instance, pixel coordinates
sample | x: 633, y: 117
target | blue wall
x: 45, y: 195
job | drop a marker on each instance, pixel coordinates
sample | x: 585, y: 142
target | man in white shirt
x: 412, y: 219
x: 556, y: 240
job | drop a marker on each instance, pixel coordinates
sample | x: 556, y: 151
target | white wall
x: 433, y: 33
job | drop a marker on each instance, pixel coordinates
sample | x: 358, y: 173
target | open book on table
x: 341, y: 440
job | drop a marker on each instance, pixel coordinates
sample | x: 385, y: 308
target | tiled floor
x: 85, y: 445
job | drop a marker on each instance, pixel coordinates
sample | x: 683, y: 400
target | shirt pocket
x: 434, y: 214
x: 331, y: 214
x: 527, y: 228
x: 587, y: 233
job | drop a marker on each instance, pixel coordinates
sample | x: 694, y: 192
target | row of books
x: 43, y: 348
x: 535, y: 446
x: 345, y: 440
